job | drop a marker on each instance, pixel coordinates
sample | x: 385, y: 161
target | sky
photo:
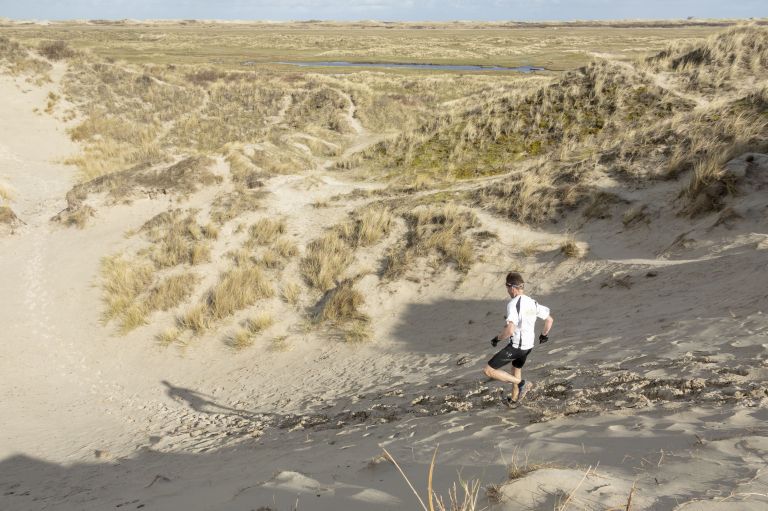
x: 384, y: 10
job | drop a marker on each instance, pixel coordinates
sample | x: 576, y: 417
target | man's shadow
x: 203, y: 403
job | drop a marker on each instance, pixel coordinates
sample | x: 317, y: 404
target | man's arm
x: 509, y: 329
x: 548, y: 325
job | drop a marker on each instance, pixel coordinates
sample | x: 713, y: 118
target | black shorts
x: 507, y: 355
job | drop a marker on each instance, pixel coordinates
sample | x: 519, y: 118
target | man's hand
x: 495, y: 341
x: 543, y: 338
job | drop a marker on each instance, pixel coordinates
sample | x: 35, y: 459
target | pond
x: 437, y: 67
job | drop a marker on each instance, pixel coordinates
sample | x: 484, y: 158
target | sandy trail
x: 37, y: 352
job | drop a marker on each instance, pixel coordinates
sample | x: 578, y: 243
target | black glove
x: 495, y: 341
x: 543, y: 338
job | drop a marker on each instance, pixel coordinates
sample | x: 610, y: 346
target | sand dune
x: 654, y: 387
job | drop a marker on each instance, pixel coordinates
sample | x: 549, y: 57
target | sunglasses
x: 514, y: 285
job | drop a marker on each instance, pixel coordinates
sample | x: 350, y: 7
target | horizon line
x: 369, y: 20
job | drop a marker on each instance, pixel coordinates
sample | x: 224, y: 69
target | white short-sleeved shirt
x: 526, y: 321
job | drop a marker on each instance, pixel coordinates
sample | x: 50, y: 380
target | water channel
x: 437, y: 67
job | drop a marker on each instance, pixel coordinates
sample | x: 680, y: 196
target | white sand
x: 656, y: 382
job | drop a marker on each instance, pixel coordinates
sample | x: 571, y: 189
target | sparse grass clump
x: 265, y: 231
x: 732, y: 54
x: 530, y: 197
x: 341, y: 309
x: 372, y: 224
x: 168, y: 336
x: 436, y: 232
x: 599, y: 206
x: 18, y: 60
x: 707, y: 187
x: 279, y: 344
x: 343, y: 304
x: 239, y: 340
x: 285, y: 248
x: 241, y: 167
x: 291, y: 293
x: 7, y: 193
x: 75, y: 217
x: 356, y: 332
x: 171, y: 291
x: 326, y: 260
x: 123, y: 281
x: 231, y: 205
x: 195, y: 319
x: 56, y: 50
x: 237, y: 289
x: 177, y: 239
x: 176, y: 249
x: 7, y: 216
x: 570, y: 249
x: 259, y: 323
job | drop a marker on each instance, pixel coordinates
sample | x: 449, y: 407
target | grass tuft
x: 168, y: 336
x: 195, y: 319
x: 239, y: 340
x: 122, y: 283
x: 172, y: 291
x: 291, y: 293
x: 56, y: 50
x: 326, y: 260
x: 237, y: 289
x: 265, y: 231
x: 343, y: 304
x: 570, y: 249
x: 435, y: 232
x: 260, y: 322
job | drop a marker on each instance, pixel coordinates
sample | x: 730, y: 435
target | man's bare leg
x: 517, y: 373
x: 501, y: 375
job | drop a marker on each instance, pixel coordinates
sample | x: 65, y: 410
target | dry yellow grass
x: 171, y: 291
x: 17, y: 59
x: 195, y: 319
x: 436, y: 232
x: 77, y: 217
x: 569, y: 248
x: 285, y: 248
x: 732, y: 54
x: 239, y: 340
x: 342, y: 305
x: 8, y: 217
x: 259, y: 322
x: 123, y: 281
x: 279, y: 344
x: 231, y: 205
x: 291, y: 293
x: 326, y: 260
x: 177, y: 239
x: 355, y: 332
x: 265, y: 231
x: 175, y: 250
x: 341, y: 309
x: 56, y: 50
x: 372, y: 224
x: 237, y: 289
x: 241, y: 167
x: 7, y: 192
x: 168, y: 336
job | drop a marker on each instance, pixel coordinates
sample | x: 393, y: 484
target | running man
x: 522, y: 311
